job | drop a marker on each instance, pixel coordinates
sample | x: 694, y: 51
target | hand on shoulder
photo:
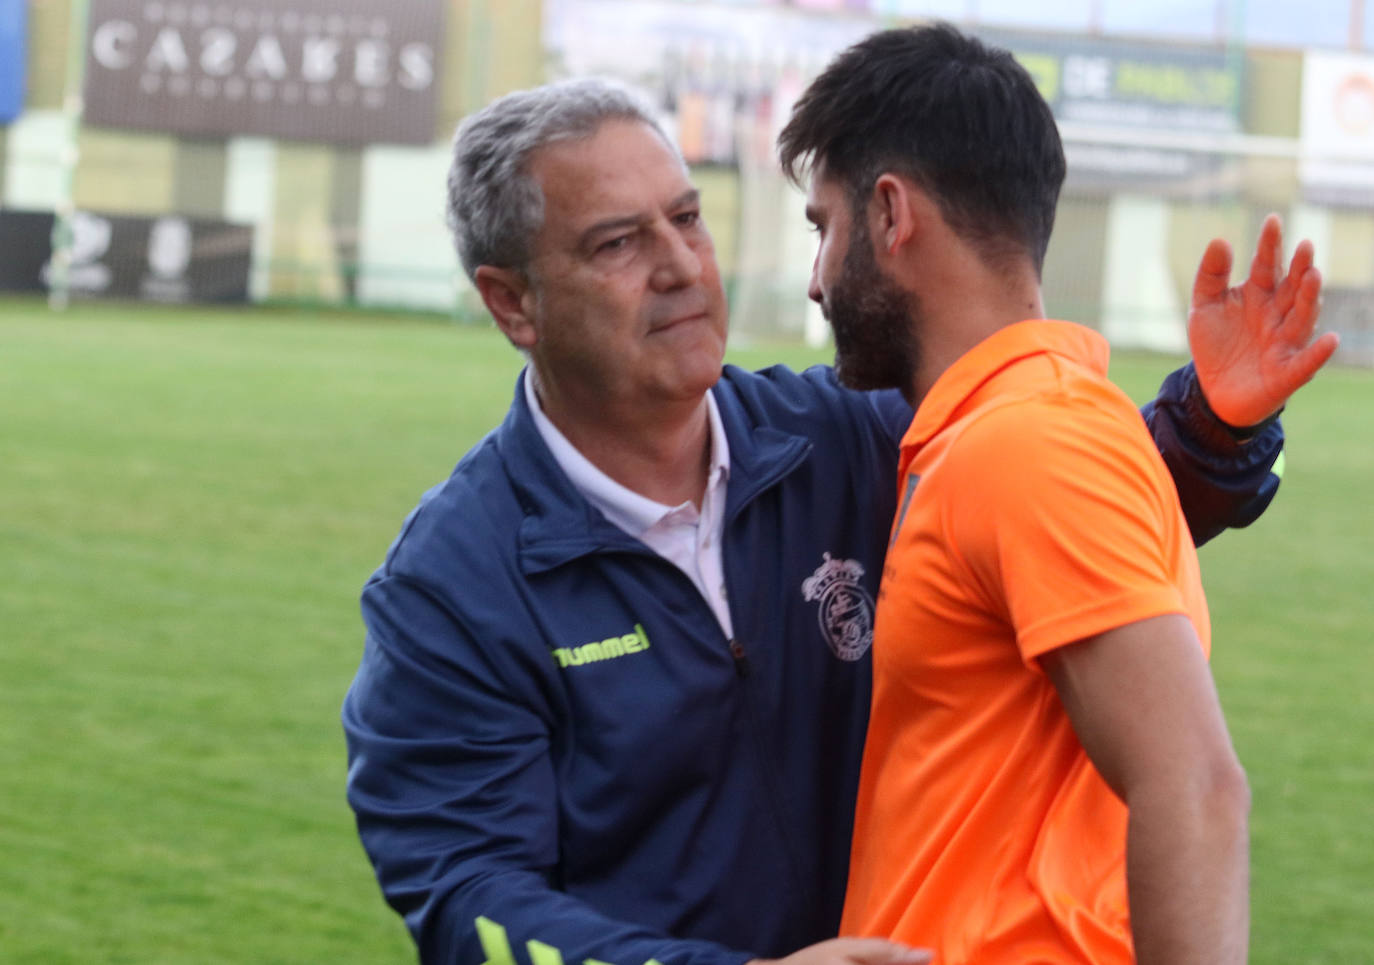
x: 854, y: 951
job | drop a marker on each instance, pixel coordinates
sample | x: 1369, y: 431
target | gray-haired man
x: 616, y: 681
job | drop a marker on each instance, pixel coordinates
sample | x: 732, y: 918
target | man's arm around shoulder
x: 1142, y: 702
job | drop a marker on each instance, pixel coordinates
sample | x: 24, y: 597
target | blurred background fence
x: 295, y: 150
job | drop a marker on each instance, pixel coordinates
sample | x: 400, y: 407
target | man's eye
x: 689, y: 219
x: 614, y: 244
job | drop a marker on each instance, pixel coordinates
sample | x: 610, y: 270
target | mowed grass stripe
x: 190, y: 501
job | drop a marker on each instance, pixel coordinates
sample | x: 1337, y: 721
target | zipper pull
x: 741, y: 658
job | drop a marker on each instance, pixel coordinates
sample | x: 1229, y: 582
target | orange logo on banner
x: 1354, y: 104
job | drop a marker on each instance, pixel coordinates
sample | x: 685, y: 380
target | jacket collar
x: 559, y: 524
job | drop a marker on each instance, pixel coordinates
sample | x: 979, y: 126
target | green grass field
x: 190, y: 501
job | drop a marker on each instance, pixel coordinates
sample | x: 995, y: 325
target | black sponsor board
x: 25, y: 247
x: 1122, y: 84
x: 164, y: 259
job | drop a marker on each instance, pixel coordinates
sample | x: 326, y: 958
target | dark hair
x: 960, y: 118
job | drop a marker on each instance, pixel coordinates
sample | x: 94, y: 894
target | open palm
x: 1252, y: 344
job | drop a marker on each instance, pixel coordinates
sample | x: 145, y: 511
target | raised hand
x: 1252, y: 344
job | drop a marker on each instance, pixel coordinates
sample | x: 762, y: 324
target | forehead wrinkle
x: 576, y: 178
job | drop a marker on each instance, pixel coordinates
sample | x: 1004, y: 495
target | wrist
x: 1238, y: 434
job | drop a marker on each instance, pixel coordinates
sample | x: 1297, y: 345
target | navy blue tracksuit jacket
x: 555, y: 753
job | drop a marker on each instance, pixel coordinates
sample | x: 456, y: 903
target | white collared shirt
x: 683, y: 535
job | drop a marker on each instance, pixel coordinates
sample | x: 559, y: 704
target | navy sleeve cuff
x: 1223, y: 474
x: 1205, y: 422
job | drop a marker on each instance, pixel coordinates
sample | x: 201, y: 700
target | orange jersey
x: 1034, y: 511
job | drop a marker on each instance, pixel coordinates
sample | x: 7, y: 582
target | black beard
x: 872, y: 319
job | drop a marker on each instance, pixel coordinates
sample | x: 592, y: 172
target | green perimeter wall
x: 326, y: 215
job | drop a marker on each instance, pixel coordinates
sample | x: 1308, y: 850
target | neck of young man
x: 948, y: 332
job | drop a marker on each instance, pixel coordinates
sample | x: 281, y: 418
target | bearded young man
x: 614, y: 691
x: 1047, y: 776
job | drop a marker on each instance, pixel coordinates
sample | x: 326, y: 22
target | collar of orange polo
x: 992, y: 355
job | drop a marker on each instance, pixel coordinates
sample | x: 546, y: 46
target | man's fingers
x: 1299, y: 369
x: 1213, y: 273
x: 1299, y: 319
x: 854, y: 951
x: 1304, y: 365
x: 880, y: 951
x: 1291, y: 284
x: 1265, y: 269
x: 1302, y: 259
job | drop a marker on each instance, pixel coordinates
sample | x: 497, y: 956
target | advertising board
x: 343, y: 71
x: 164, y: 259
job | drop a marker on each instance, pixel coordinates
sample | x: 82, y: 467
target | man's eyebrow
x: 813, y: 214
x: 690, y: 196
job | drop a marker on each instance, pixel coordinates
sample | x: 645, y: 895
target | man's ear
x: 508, y: 296
x: 895, y: 212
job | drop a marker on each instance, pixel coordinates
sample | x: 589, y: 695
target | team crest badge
x: 846, y: 608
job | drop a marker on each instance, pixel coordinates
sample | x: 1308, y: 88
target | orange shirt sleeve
x: 1075, y: 526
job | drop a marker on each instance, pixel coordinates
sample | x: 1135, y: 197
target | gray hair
x: 495, y: 206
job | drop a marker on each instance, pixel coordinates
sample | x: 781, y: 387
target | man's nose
x: 679, y: 263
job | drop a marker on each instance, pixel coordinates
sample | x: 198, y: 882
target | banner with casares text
x: 339, y: 71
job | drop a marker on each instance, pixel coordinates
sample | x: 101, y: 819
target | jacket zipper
x: 741, y: 658
x: 771, y: 780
